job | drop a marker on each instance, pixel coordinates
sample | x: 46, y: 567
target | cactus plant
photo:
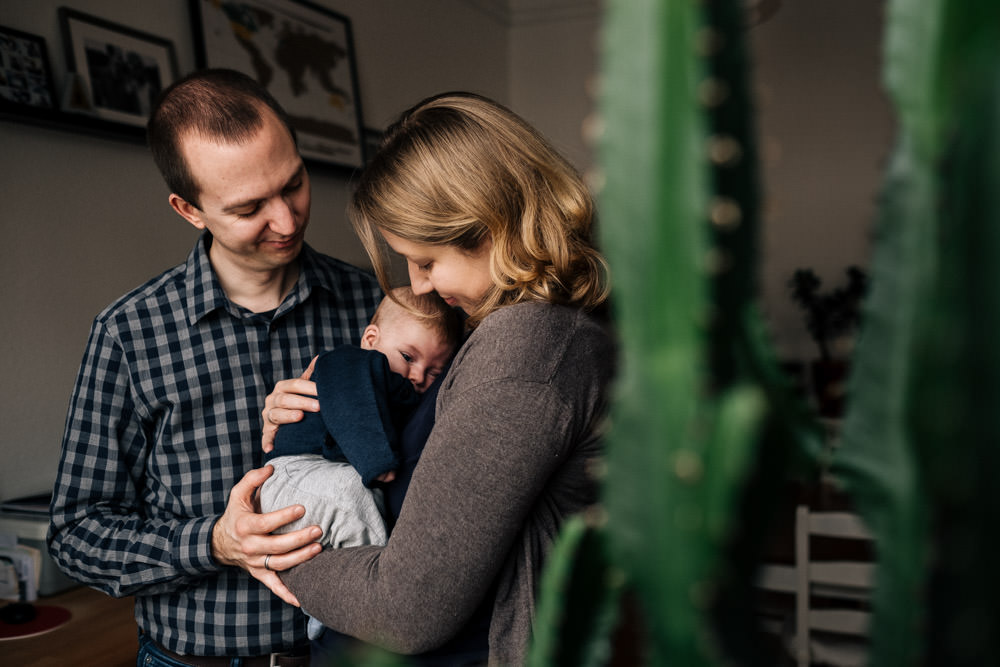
x: 700, y: 398
x: 919, y: 446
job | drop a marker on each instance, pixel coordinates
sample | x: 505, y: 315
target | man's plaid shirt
x: 164, y: 420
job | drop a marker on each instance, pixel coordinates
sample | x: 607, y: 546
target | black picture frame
x: 122, y: 70
x: 25, y: 72
x: 304, y: 55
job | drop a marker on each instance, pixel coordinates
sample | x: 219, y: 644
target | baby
x: 329, y: 461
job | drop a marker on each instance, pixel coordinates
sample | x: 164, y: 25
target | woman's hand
x: 242, y: 537
x: 288, y: 403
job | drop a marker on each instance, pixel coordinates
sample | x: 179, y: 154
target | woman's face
x: 459, y: 277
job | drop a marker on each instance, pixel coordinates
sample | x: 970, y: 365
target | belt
x: 271, y: 660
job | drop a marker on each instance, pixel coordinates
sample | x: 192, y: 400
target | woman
x: 491, y: 218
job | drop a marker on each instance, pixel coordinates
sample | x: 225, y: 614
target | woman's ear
x: 486, y: 245
x: 186, y: 210
x: 369, y: 337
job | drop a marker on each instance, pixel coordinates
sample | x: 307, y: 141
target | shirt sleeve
x: 99, y: 535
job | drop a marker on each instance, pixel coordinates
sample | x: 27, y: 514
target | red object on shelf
x: 47, y: 618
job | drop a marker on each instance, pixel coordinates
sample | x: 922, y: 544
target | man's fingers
x: 294, y: 394
x: 309, y: 370
x: 245, y: 489
x: 285, y: 561
x: 262, y: 524
x: 278, y: 416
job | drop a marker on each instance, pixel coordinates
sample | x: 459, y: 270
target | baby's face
x: 413, y: 350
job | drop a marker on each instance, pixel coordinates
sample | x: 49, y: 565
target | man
x: 164, y: 423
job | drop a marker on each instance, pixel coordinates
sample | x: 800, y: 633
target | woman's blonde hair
x: 459, y: 168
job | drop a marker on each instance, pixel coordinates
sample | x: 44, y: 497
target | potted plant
x: 829, y: 316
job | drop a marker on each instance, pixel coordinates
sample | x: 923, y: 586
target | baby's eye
x: 406, y: 357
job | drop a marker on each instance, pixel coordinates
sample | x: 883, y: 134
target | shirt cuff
x: 193, y: 547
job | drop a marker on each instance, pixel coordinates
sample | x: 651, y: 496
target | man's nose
x: 282, y: 218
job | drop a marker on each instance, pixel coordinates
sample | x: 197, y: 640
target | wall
x: 554, y: 58
x: 826, y: 131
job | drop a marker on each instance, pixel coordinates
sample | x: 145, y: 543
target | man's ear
x: 186, y: 210
x: 369, y: 337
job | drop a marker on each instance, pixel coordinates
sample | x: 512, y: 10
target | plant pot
x: 829, y: 381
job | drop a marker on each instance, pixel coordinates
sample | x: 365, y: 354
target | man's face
x: 254, y: 198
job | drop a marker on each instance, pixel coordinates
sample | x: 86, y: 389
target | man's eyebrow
x: 254, y: 202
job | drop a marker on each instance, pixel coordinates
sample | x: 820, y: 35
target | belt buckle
x: 275, y: 657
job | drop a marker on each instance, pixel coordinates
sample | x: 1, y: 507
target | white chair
x: 843, y: 585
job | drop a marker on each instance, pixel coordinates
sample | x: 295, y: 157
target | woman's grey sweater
x: 518, y: 419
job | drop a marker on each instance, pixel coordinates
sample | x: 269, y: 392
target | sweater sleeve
x: 504, y: 426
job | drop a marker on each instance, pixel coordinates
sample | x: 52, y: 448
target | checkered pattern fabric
x: 164, y: 420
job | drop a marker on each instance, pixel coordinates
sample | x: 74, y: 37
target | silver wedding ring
x: 267, y: 558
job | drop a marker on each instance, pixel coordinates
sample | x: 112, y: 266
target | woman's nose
x: 418, y: 282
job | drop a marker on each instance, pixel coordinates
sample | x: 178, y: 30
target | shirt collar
x: 204, y: 293
x: 313, y: 274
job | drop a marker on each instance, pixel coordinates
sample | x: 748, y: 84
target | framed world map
x: 303, y: 54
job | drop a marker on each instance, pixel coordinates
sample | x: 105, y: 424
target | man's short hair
x: 221, y: 104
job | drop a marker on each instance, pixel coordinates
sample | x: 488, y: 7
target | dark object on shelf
x: 829, y: 385
x: 36, y: 505
x: 45, y: 618
x: 829, y: 316
x: 18, y: 613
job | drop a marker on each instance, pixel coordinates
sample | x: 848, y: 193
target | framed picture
x: 25, y: 75
x: 123, y: 70
x: 303, y: 54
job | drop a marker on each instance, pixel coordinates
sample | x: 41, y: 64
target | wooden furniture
x: 101, y: 633
x: 845, y: 582
x: 831, y: 586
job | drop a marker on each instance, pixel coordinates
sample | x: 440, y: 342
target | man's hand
x: 287, y: 404
x: 241, y: 537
